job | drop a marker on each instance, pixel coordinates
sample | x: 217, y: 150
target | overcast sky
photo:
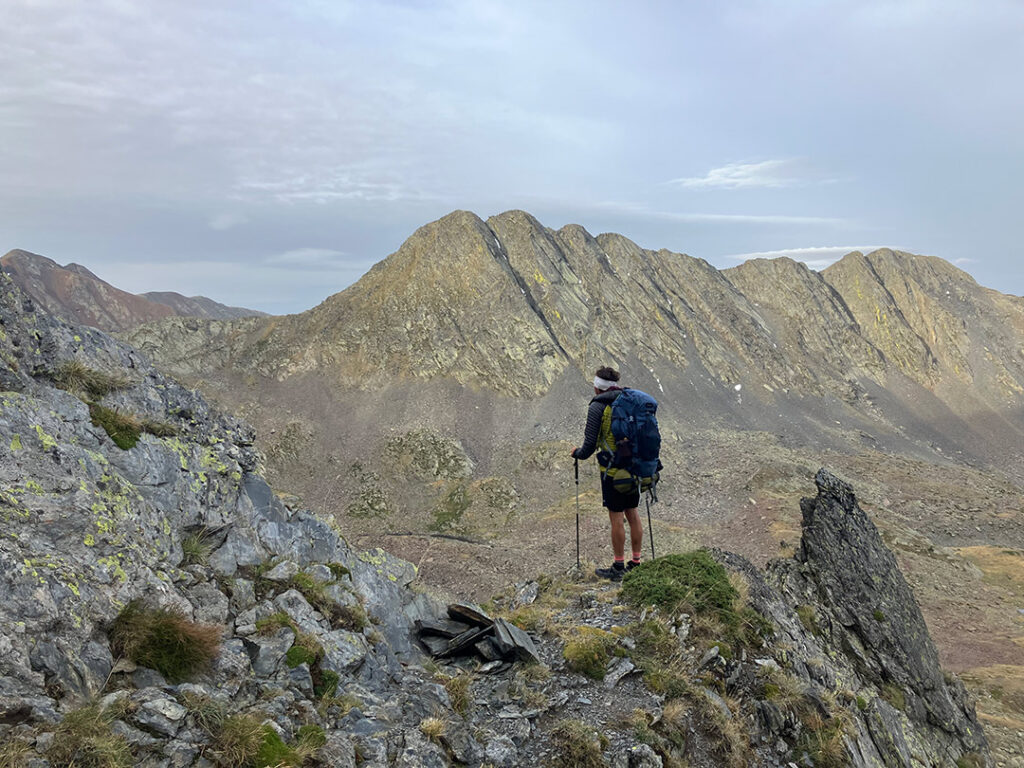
x: 266, y: 154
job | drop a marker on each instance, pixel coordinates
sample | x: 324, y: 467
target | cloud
x: 309, y: 258
x: 224, y: 221
x: 690, y: 217
x: 817, y: 257
x: 964, y: 260
x: 768, y: 173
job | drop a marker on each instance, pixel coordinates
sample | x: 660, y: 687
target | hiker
x: 598, y: 436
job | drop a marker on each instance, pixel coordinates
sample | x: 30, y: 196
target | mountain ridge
x: 74, y: 292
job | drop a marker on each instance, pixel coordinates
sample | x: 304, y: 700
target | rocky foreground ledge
x: 162, y: 607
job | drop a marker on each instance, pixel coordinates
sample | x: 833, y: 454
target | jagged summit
x: 75, y: 293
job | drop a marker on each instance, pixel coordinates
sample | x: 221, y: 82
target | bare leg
x: 618, y: 534
x: 636, y: 529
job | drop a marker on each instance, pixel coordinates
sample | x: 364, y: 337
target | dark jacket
x: 595, y: 415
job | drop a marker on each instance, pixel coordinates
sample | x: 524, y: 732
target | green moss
x: 15, y: 443
x: 299, y: 654
x: 879, y: 616
x: 123, y: 428
x: 338, y: 570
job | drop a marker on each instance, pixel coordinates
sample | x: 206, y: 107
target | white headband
x: 600, y: 383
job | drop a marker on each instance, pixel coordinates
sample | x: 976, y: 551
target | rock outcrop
x: 316, y: 646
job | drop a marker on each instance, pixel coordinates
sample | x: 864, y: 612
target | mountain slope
x: 163, y: 606
x: 441, y: 395
x: 73, y: 292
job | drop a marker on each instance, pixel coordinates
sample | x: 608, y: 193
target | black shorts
x: 615, y: 500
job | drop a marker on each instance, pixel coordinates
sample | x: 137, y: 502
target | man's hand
x: 573, y: 454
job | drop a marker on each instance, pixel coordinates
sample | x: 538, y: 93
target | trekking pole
x: 650, y: 528
x: 576, y: 462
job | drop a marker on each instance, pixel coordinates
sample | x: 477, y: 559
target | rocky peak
x: 880, y: 622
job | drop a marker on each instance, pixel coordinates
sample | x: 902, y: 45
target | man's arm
x: 594, y: 415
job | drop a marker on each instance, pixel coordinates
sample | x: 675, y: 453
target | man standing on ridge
x: 598, y: 436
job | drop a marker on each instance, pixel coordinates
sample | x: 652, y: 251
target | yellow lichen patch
x: 48, y: 441
x: 999, y: 566
x: 15, y: 443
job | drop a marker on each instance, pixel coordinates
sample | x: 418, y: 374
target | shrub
x: 79, y: 379
x: 577, y: 745
x: 123, y: 428
x: 589, y: 650
x: 84, y: 740
x: 165, y: 640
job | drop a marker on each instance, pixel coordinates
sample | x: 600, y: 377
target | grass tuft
x: 165, y: 640
x: 458, y: 687
x: 79, y: 379
x: 432, y: 728
x: 695, y: 583
x: 84, y: 740
x: 577, y: 745
x: 14, y: 753
x: 236, y: 740
x: 589, y: 650
x: 196, y: 548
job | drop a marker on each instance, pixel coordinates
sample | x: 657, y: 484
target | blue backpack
x: 637, y: 441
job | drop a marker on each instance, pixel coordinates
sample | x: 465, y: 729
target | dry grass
x: 577, y: 745
x: 15, y: 754
x: 999, y: 566
x: 783, y: 689
x: 237, y: 740
x: 458, y: 687
x: 824, y: 739
x: 79, y: 379
x: 84, y: 740
x: 432, y: 728
x: 588, y: 651
x: 164, y: 639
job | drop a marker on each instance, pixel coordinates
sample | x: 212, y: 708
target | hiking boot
x: 630, y: 565
x: 612, y: 573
